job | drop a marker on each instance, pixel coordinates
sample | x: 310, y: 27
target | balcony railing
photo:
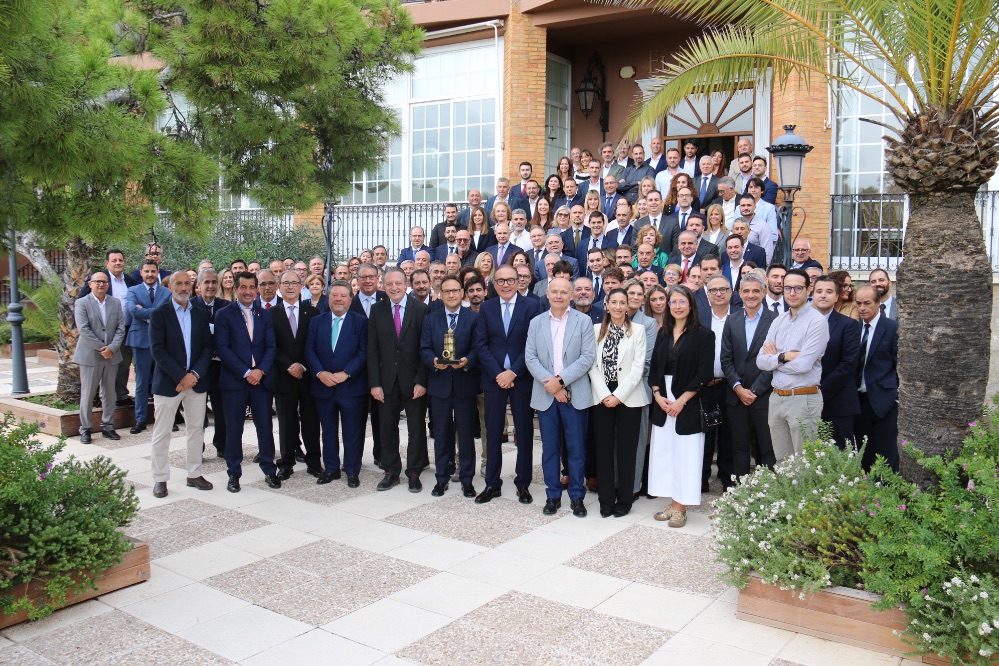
x: 356, y: 228
x: 866, y: 230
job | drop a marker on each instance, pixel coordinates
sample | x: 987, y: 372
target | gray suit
x: 651, y: 330
x: 95, y: 370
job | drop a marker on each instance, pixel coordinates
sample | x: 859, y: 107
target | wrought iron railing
x: 356, y: 228
x: 867, y: 230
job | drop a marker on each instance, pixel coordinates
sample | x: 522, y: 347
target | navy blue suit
x: 214, y: 371
x: 494, y: 346
x: 840, y: 404
x: 166, y: 344
x: 595, y: 313
x: 376, y: 431
x: 136, y: 275
x: 441, y: 251
x: 408, y: 254
x: 141, y: 307
x: 769, y: 191
x: 541, y: 274
x: 585, y: 186
x: 452, y: 392
x: 569, y: 243
x: 577, y: 198
x: 494, y: 250
x: 610, y: 208
x: 239, y: 355
x: 755, y: 254
x: 878, y: 419
x: 512, y: 200
x: 346, y: 402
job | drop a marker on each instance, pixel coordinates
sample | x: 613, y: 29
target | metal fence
x: 356, y: 228
x: 866, y: 230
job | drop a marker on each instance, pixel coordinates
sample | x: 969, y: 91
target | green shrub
x: 41, y: 314
x: 58, y: 520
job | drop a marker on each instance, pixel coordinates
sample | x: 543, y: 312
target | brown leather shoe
x: 591, y: 484
x: 159, y: 489
x: 201, y: 483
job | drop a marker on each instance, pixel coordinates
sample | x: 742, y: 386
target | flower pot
x: 133, y: 569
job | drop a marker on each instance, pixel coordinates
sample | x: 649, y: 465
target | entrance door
x: 712, y: 121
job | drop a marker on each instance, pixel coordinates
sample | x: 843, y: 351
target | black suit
x: 711, y: 192
x: 296, y: 409
x: 214, y: 371
x: 738, y: 361
x: 878, y: 419
x: 840, y: 403
x: 373, y: 412
x: 394, y: 366
x: 669, y: 229
x: 706, y: 247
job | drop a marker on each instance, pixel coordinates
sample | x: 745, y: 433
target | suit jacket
x: 595, y: 313
x: 839, y: 367
x: 464, y: 383
x: 441, y: 251
x: 96, y: 333
x: 288, y: 348
x: 237, y: 352
x: 586, y: 186
x: 614, y: 169
x: 436, y: 238
x: 627, y: 182
x: 217, y: 305
x: 669, y: 227
x: 408, y: 254
x: 611, y: 208
x: 629, y: 236
x: 711, y: 192
x: 660, y: 165
x: 485, y: 240
x: 578, y: 352
x: 129, y: 282
x: 355, y: 304
x: 494, y: 250
x: 577, y: 198
x: 569, y: 243
x: 755, y: 254
x: 892, y: 310
x: 394, y: 359
x: 166, y: 344
x: 512, y: 200
x: 738, y: 356
x: 538, y: 270
x: 137, y: 275
x: 631, y: 390
x: 808, y: 263
x: 704, y: 314
x: 881, y: 372
x: 705, y: 246
x: 350, y: 355
x: 655, y: 270
x: 693, y: 368
x: 138, y: 332
x: 769, y: 191
x: 493, y: 345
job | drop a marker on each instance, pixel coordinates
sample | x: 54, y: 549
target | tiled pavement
x: 332, y: 575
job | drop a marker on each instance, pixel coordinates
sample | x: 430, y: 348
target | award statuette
x: 448, y: 355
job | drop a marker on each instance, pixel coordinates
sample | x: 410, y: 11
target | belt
x: 716, y: 381
x: 804, y: 390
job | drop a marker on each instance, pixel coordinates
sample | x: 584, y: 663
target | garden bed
x: 53, y: 421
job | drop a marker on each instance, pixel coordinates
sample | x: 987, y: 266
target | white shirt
x: 718, y: 327
x: 870, y: 338
x: 101, y: 306
x: 119, y: 290
x: 664, y: 179
x: 522, y: 240
x: 769, y: 303
x: 273, y: 302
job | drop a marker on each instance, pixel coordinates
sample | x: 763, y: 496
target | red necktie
x: 398, y: 321
x: 267, y: 306
x: 686, y: 267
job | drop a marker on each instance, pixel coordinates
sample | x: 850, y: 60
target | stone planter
x: 30, y: 349
x: 133, y: 569
x: 61, y: 422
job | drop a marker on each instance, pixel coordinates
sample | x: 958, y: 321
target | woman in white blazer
x: 616, y: 383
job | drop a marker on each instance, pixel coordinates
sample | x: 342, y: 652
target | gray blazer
x: 651, y: 330
x: 95, y: 333
x: 578, y: 352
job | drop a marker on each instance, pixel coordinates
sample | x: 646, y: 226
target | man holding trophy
x: 446, y: 349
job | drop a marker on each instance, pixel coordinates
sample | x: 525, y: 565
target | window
x: 384, y: 185
x: 558, y: 96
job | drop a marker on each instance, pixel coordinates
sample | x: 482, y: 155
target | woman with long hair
x: 846, y: 305
x: 616, y: 383
x: 227, y: 285
x: 718, y: 166
x: 591, y: 203
x: 716, y: 232
x: 478, y: 229
x: 564, y: 169
x: 640, y: 209
x: 646, y: 185
x: 352, y: 265
x: 655, y: 305
x: 553, y: 188
x: 485, y: 265
x: 542, y: 215
x: 670, y: 202
x: 682, y: 364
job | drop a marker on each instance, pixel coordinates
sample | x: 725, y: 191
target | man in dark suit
x: 208, y: 285
x: 881, y: 282
x: 594, y: 182
x: 452, y: 386
x: 244, y: 340
x: 553, y: 245
x: 646, y: 255
x: 587, y: 237
x: 474, y: 201
x: 398, y: 379
x: 840, y: 403
x: 142, y: 299
x: 748, y: 397
x: 570, y: 196
x: 610, y: 197
x: 500, y: 338
x: 437, y: 236
x: 714, y: 317
x: 622, y: 233
x: 503, y: 246
x: 296, y: 410
x: 753, y: 253
x: 686, y: 256
x: 368, y: 294
x: 628, y: 182
x: 417, y: 236
x: 705, y: 183
x: 336, y: 355
x: 668, y: 226
x: 801, y: 255
x: 448, y: 244
x: 101, y: 323
x: 769, y: 187
x: 154, y: 253
x: 180, y: 342
x: 502, y: 194
x: 877, y: 381
x: 704, y: 246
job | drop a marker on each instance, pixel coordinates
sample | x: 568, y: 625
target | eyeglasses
x: 718, y: 290
x: 288, y: 284
x: 686, y: 196
x: 464, y: 240
x: 451, y: 291
x: 98, y: 282
x: 505, y: 280
x: 562, y: 215
x: 523, y: 277
x: 794, y: 289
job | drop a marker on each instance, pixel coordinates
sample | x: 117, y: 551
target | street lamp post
x: 19, y: 382
x: 788, y: 153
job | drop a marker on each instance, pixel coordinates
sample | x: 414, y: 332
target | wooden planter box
x: 30, y: 349
x: 133, y: 569
x: 838, y: 614
x: 61, y: 422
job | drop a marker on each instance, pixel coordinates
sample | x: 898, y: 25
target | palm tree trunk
x: 945, y: 306
x: 77, y: 268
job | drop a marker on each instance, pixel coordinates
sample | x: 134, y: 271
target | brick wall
x: 523, y: 94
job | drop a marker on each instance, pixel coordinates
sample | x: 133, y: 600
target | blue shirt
x: 184, y: 318
x: 751, y: 325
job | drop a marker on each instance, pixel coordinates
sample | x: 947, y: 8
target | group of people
x: 629, y: 345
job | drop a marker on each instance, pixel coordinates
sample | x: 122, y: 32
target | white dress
x: 675, y: 461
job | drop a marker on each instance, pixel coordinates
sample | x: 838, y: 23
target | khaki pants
x: 194, y: 419
x: 792, y: 420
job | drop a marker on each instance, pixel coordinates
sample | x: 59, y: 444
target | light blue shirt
x: 751, y: 325
x: 184, y: 318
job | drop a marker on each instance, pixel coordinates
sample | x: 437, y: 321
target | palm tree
x: 942, y: 146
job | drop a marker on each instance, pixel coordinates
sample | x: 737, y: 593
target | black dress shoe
x: 468, y: 490
x: 487, y: 494
x: 378, y: 463
x: 299, y: 455
x: 233, y: 485
x: 85, y: 438
x: 552, y: 506
x: 439, y: 490
x: 285, y: 474
x: 137, y: 428
x: 388, y: 481
x: 524, y: 496
x: 705, y: 488
x: 606, y: 512
x: 353, y: 481
x: 159, y: 489
x: 272, y: 480
x: 634, y: 498
x: 256, y: 459
x: 621, y: 511
x: 578, y: 508
x: 415, y: 485
x: 110, y: 434
x: 127, y: 402
x: 325, y: 478
x: 315, y: 471
x: 175, y: 428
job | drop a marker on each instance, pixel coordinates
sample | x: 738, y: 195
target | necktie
x: 500, y: 251
x: 248, y: 318
x: 704, y: 188
x: 506, y: 317
x: 336, y: 332
x: 451, y: 249
x: 683, y: 221
x: 596, y: 285
x: 152, y: 294
x: 537, y: 257
x: 293, y: 321
x: 607, y: 203
x: 398, y: 320
x: 775, y: 308
x: 576, y: 235
x: 267, y: 306
x: 883, y: 310
x: 454, y: 320
x: 863, y: 355
x: 686, y: 267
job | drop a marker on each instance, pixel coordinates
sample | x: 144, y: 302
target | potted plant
x: 820, y: 547
x: 59, y: 526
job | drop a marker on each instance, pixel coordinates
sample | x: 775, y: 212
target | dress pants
x: 143, y: 377
x: 615, y: 430
x: 881, y: 433
x: 719, y: 439
x: 561, y: 421
x: 741, y: 418
x: 376, y: 430
x: 843, y: 430
x: 416, y: 423
x: 641, y: 454
x: 258, y: 399
x: 351, y: 412
x: 480, y: 407
x: 93, y: 377
x: 523, y: 420
x: 451, y: 414
x: 296, y: 410
x: 121, y: 379
x: 792, y: 420
x: 218, y: 411
x: 166, y: 408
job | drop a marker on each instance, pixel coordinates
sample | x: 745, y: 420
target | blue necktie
x: 454, y: 320
x: 336, y: 332
x: 506, y: 317
x: 152, y: 294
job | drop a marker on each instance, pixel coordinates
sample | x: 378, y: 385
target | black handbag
x: 710, y: 420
